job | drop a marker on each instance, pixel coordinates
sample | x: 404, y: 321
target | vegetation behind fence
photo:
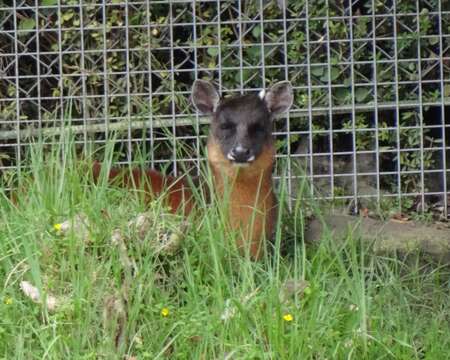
x: 371, y: 78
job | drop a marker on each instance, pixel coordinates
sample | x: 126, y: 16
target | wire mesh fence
x: 371, y: 116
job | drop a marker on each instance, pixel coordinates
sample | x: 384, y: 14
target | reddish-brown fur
x: 250, y: 197
x: 178, y: 195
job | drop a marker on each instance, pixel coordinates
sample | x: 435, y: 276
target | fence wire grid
x: 371, y: 78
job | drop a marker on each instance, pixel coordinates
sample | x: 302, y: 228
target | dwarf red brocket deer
x: 241, y: 156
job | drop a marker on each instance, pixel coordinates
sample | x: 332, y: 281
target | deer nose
x: 240, y: 154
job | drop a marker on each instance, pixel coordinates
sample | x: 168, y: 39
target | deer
x: 241, y: 156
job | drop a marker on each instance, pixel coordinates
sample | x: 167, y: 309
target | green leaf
x: 433, y: 40
x: 361, y: 94
x: 68, y: 15
x: 256, y: 32
x: 407, y: 115
x: 254, y: 52
x: 447, y: 90
x: 342, y: 94
x: 27, y: 24
x: 49, y: 2
x: 212, y: 51
x: 317, y: 70
x: 334, y: 73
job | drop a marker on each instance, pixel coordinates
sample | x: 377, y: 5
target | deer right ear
x: 205, y: 97
x: 279, y: 97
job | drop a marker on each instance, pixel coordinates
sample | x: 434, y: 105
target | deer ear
x: 205, y: 97
x: 278, y: 97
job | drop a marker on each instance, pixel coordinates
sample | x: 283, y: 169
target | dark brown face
x: 242, y: 125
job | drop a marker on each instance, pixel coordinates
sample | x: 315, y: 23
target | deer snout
x: 240, y: 154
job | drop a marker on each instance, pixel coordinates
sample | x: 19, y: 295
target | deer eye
x: 227, y: 126
x: 256, y: 128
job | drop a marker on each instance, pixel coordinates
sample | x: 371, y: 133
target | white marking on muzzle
x: 242, y: 164
x: 230, y: 157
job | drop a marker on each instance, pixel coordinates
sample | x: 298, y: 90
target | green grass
x: 357, y: 305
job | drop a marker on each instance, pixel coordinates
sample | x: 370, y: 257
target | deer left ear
x: 205, y: 97
x: 278, y: 97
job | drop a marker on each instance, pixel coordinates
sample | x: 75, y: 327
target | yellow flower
x: 8, y: 301
x: 165, y: 312
x: 57, y: 227
x: 288, y: 317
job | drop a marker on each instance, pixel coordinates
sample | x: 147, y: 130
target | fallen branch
x: 386, y: 237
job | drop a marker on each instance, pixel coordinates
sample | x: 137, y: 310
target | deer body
x: 178, y: 195
x: 250, y: 197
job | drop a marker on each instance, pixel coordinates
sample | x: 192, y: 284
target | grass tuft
x: 204, y: 301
